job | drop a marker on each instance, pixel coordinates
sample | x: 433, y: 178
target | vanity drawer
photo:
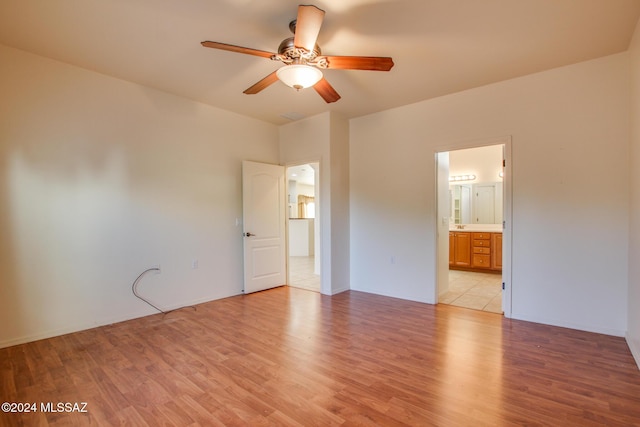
x: 481, y: 236
x: 482, y: 243
x: 485, y: 250
x: 481, y: 261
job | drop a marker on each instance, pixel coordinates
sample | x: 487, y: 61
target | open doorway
x: 473, y: 200
x: 303, y: 225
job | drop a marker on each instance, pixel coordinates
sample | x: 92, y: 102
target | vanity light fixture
x: 501, y: 174
x: 457, y: 178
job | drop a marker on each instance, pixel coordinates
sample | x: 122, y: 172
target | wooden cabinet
x: 460, y: 249
x: 452, y: 250
x: 480, y: 251
x: 496, y: 248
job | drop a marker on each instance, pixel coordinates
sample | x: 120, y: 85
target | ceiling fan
x: 303, y: 59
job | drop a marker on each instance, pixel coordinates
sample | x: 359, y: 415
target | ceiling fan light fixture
x: 299, y: 76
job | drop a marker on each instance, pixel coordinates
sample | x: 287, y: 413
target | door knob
x: 249, y: 234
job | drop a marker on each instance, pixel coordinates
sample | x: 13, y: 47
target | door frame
x: 318, y: 253
x: 507, y: 183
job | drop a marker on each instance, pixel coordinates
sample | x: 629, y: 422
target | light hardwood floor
x: 298, y: 358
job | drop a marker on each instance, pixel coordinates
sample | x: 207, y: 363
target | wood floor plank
x: 297, y: 358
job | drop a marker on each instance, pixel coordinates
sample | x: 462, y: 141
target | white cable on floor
x: 134, y: 289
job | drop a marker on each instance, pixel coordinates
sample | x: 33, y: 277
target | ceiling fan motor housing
x: 290, y: 54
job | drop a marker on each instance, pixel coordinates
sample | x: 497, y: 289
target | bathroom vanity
x: 475, y: 249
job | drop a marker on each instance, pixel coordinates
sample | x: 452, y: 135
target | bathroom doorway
x: 473, y: 200
x: 303, y: 211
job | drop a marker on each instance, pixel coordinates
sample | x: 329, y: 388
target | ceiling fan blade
x: 326, y: 91
x: 262, y: 84
x: 308, y: 26
x: 374, y: 63
x: 238, y: 49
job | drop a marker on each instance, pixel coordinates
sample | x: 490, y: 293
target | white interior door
x: 485, y: 204
x: 465, y: 204
x: 263, y: 202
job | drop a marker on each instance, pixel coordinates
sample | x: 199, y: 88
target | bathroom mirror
x: 476, y: 203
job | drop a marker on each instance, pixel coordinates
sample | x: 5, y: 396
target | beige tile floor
x: 479, y: 291
x: 301, y: 273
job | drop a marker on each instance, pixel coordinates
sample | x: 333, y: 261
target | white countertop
x: 489, y: 228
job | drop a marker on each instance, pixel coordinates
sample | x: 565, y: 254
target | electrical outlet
x: 194, y: 264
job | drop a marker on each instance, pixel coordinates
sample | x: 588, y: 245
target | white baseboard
x: 67, y: 330
x: 339, y: 290
x: 570, y: 325
x: 96, y: 324
x: 635, y: 351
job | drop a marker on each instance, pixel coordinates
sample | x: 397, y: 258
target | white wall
x: 484, y: 162
x: 101, y: 179
x: 305, y: 190
x: 570, y: 134
x: 340, y: 249
x: 324, y: 139
x: 633, y: 333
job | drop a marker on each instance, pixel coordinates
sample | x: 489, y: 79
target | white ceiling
x: 438, y: 46
x: 303, y: 174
